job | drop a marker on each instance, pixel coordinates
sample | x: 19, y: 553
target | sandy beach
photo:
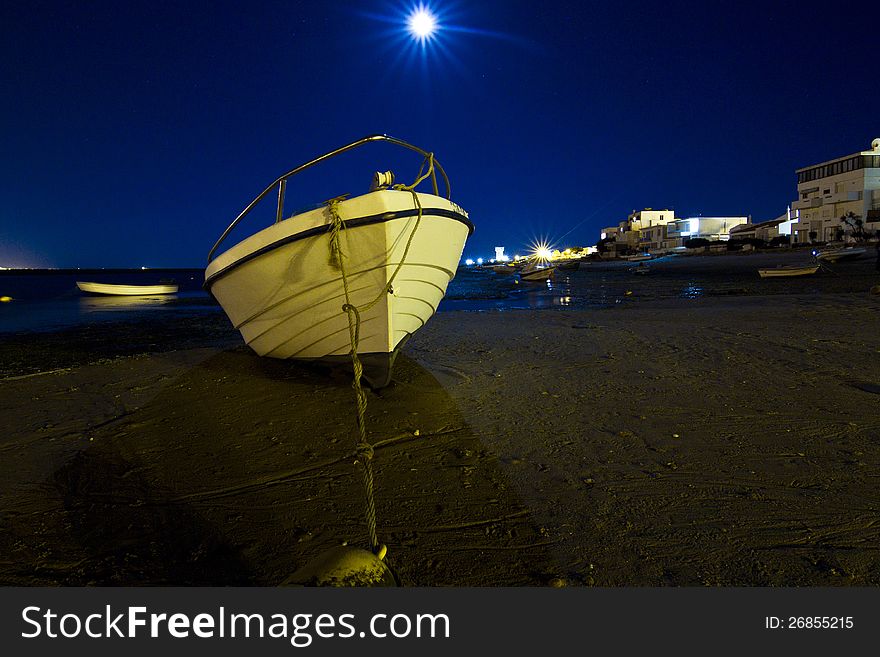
x: 720, y: 441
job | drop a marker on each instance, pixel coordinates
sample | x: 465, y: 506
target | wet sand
x: 729, y: 441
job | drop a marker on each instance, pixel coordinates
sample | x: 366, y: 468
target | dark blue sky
x: 132, y: 133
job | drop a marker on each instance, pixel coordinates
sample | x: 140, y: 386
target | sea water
x: 49, y: 299
x: 602, y: 284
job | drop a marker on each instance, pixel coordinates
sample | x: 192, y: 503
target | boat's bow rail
x: 281, y: 182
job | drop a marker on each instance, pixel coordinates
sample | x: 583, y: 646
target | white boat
x: 788, y: 270
x: 126, y: 290
x: 835, y: 255
x: 399, y: 248
x: 639, y: 257
x: 536, y: 272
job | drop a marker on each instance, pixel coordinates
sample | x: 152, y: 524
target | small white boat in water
x: 126, y: 290
x: 788, y: 270
x: 284, y: 290
x: 835, y: 255
x: 536, y: 272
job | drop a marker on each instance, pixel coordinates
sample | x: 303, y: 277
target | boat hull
x: 537, y: 275
x: 281, y: 290
x: 787, y: 271
x: 840, y: 254
x: 125, y: 290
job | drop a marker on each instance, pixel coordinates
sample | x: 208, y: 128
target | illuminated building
x: 831, y: 189
x: 714, y: 229
x: 658, y: 231
x: 643, y: 227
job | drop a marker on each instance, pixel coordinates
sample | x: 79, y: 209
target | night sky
x: 132, y: 133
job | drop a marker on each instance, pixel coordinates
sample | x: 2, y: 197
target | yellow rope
x: 337, y: 259
x: 336, y: 226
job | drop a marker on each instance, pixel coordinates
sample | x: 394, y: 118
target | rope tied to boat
x: 337, y: 224
x: 364, y: 449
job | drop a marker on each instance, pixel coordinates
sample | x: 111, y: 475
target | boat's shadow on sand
x: 242, y: 470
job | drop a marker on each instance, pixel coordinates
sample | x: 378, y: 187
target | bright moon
x: 422, y: 24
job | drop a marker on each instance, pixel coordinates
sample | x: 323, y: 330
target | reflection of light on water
x: 692, y: 292
x: 561, y: 285
x: 562, y: 301
x: 114, y: 303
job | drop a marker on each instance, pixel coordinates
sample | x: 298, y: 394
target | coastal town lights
x: 542, y: 252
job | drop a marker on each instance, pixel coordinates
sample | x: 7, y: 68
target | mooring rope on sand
x: 364, y: 449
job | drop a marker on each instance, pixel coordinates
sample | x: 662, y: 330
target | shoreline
x: 722, y: 441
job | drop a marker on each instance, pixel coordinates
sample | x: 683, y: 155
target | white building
x: 660, y: 230
x: 829, y: 190
x: 610, y: 231
x: 782, y: 226
x: 714, y: 229
x: 643, y: 230
x: 675, y: 233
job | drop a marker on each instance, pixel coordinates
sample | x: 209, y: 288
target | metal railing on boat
x: 281, y: 181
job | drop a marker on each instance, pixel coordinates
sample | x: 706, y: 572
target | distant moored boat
x: 788, y: 270
x: 834, y: 255
x: 125, y: 290
x: 535, y: 272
